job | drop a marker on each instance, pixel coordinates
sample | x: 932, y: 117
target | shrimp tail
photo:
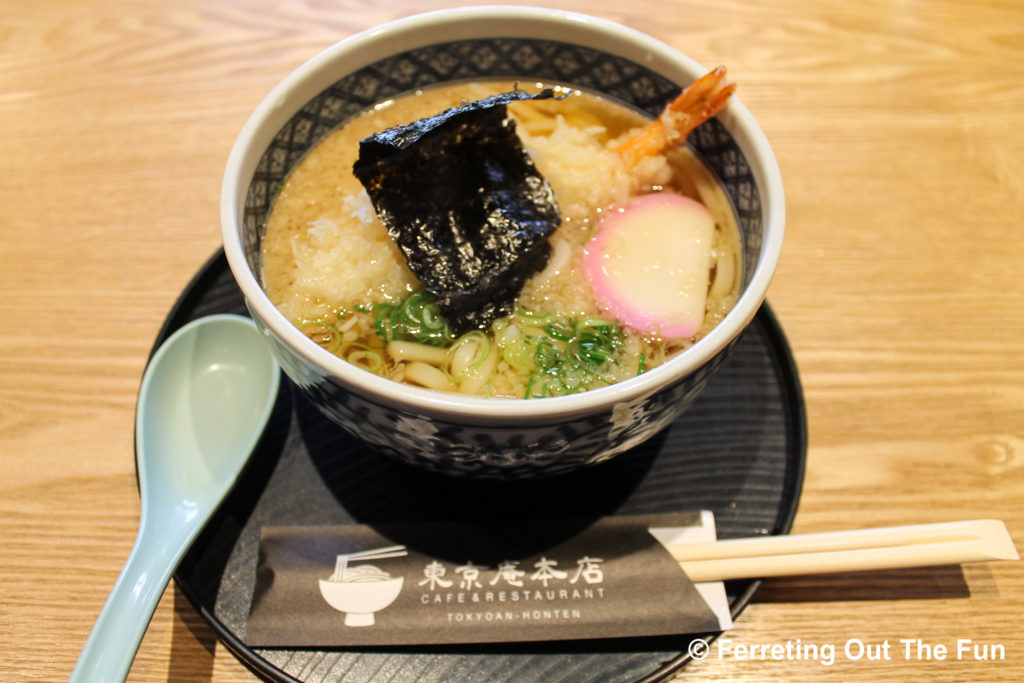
x: 704, y: 98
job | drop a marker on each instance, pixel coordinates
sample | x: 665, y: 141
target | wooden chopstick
x: 856, y: 550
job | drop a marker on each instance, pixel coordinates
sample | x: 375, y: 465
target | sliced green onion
x: 560, y: 331
x: 512, y: 345
x: 547, y: 357
x: 324, y: 333
x: 365, y: 357
x: 418, y: 318
x: 563, y: 355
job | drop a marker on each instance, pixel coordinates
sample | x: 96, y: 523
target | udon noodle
x: 330, y: 266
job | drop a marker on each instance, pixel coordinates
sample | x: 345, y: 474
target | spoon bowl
x: 205, y: 399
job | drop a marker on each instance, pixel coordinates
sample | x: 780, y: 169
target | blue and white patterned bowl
x: 494, y: 438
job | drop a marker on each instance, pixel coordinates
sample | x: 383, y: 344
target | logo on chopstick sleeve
x: 360, y: 590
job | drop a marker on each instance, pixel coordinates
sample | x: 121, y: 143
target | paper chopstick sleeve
x: 433, y: 584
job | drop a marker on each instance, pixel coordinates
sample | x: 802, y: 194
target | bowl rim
x: 439, y: 26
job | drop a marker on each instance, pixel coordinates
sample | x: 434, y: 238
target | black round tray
x: 738, y: 451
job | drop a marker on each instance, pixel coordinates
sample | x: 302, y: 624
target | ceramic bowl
x: 480, y: 437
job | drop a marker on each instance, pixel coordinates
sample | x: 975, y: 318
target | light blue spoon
x: 205, y: 400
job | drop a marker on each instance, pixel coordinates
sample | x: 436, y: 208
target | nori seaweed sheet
x: 463, y: 201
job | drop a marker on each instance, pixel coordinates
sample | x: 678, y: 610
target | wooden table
x: 898, y: 128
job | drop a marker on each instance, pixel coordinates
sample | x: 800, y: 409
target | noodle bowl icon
x: 360, y: 591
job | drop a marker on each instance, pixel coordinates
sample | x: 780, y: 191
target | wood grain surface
x: 898, y: 129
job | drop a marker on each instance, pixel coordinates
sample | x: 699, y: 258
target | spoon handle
x: 118, y: 631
